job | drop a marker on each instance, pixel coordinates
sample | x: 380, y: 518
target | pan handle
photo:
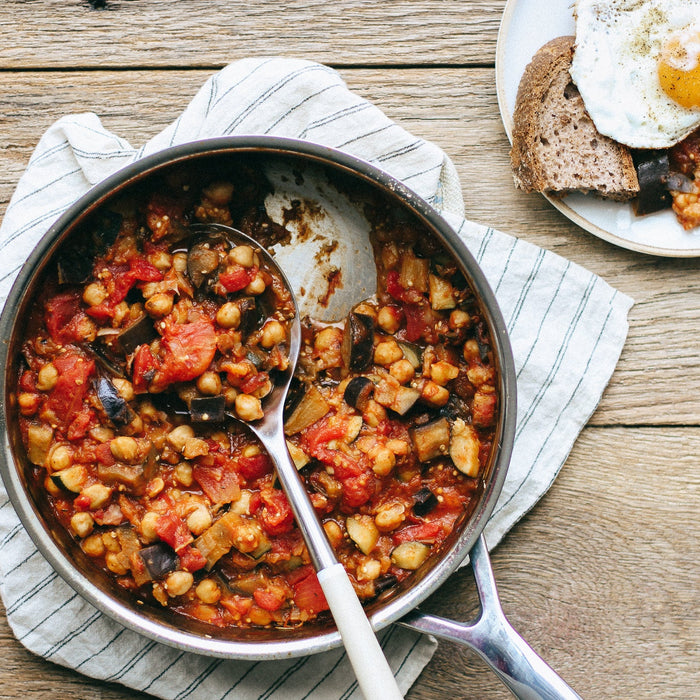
x: 523, y: 672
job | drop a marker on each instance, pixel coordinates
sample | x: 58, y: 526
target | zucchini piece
x: 442, y: 294
x: 71, y: 479
x: 412, y: 352
x: 410, y: 555
x: 311, y: 408
x: 358, y: 341
x: 232, y: 530
x: 363, y: 532
x: 464, y: 448
x: 39, y: 438
x: 431, y: 440
x: 358, y: 392
x: 299, y: 457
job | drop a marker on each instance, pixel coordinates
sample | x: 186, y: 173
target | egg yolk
x: 679, y: 70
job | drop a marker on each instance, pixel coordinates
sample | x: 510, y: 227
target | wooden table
x: 602, y: 577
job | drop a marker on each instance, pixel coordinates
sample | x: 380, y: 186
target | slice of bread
x: 556, y: 147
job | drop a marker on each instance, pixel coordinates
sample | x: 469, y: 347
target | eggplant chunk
x: 424, y: 501
x: 207, y: 408
x: 114, y: 404
x: 158, y: 559
x: 431, y: 440
x: 252, y: 316
x: 652, y: 173
x: 464, y: 448
x: 311, y: 408
x: 142, y: 332
x: 202, y: 263
x: 358, y: 392
x: 358, y: 341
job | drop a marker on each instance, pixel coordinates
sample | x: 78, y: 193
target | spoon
x: 371, y: 668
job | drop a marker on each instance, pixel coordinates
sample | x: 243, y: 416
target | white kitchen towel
x: 567, y: 328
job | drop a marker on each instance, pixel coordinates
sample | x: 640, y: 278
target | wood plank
x: 601, y: 578
x: 72, y: 33
x: 454, y: 108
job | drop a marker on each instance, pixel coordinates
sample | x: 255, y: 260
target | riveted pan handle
x: 523, y: 672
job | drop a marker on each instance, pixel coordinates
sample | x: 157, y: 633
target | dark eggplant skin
x: 384, y: 583
x: 208, y: 408
x: 653, y: 173
x: 158, y: 559
x: 424, y: 502
x: 141, y: 332
x: 202, y: 263
x: 252, y: 316
x: 358, y: 341
x: 358, y: 392
x: 115, y: 406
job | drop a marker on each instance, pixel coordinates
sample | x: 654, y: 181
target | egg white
x: 615, y: 67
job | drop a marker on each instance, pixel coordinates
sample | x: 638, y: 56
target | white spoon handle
x: 374, y: 676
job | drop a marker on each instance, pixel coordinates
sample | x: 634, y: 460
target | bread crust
x: 556, y: 147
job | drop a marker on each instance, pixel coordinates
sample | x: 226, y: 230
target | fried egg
x: 637, y: 66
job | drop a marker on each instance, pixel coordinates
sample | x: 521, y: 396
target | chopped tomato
x: 315, y: 443
x: 143, y: 369
x: 191, y: 559
x: 124, y: 278
x: 189, y: 349
x: 357, y: 490
x: 83, y: 421
x: 255, y: 466
x: 423, y: 532
x: 66, y: 398
x: 308, y: 594
x: 218, y: 481
x: 420, y: 322
x: 64, y: 317
x: 254, y: 382
x: 173, y: 531
x: 237, y: 605
x: 237, y: 277
x: 395, y: 289
x: 271, y: 598
x: 276, y: 515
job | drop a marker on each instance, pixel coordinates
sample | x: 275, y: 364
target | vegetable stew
x: 149, y: 334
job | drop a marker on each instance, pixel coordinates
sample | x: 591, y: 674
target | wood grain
x: 195, y: 33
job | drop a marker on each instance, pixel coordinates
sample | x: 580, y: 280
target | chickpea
x: 178, y: 583
x: 48, y: 376
x: 124, y: 387
x: 97, y: 495
x: 199, y: 520
x: 229, y: 315
x: 195, y: 447
x: 273, y: 333
x: 250, y: 451
x: 248, y: 407
x: 121, y: 311
x: 110, y: 542
x: 479, y: 375
x: 389, y: 319
x: 94, y: 294
x: 374, y: 413
x: 180, y: 261
x: 256, y: 286
x: 470, y: 351
x: 333, y: 531
x: 82, y: 524
x: 398, y: 447
x: 183, y: 473
x: 209, y: 383
x: 93, y: 546
x: 219, y: 192
x: 242, y: 255
x: 368, y: 570
x: 60, y: 457
x: 28, y: 403
x: 230, y: 394
x: 159, y: 305
x: 154, y: 487
x: 383, y: 460
x: 443, y: 372
x: 387, y: 352
x: 116, y: 563
x: 124, y: 449
x: 402, y: 371
x: 148, y: 526
x: 435, y: 394
x: 161, y: 259
x: 458, y: 319
x: 208, y: 591
x: 390, y: 516
x: 178, y: 436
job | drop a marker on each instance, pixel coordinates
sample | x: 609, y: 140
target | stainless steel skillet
x: 329, y: 192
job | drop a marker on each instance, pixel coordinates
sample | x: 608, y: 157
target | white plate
x: 527, y: 25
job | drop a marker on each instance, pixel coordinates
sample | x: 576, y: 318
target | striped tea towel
x: 567, y: 327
